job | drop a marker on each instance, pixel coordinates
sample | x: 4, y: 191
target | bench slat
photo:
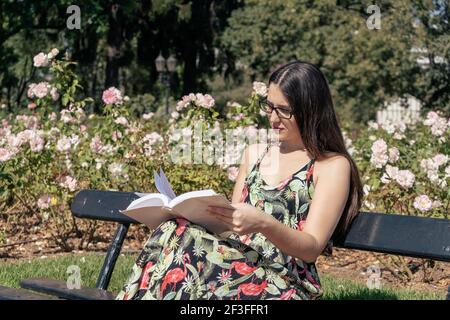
x: 102, y: 205
x: 7, y: 293
x: 403, y: 235
x: 59, y: 288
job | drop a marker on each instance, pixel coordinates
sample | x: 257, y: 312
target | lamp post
x: 165, y: 69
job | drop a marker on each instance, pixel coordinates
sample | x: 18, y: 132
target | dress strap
x: 309, y: 175
x: 262, y: 156
x: 256, y: 165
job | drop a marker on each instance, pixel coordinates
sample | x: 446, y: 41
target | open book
x: 152, y: 209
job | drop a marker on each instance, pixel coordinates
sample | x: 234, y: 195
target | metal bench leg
x: 111, y: 257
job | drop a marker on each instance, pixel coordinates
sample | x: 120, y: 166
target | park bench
x: 411, y: 236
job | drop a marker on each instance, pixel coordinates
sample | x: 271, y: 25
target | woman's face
x: 288, y: 129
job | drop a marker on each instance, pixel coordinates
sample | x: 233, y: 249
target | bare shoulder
x: 331, y: 164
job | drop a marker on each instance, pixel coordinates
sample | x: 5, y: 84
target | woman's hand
x: 244, y: 219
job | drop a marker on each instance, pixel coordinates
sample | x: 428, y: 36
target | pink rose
x: 423, y: 203
x: 5, y: 155
x: 40, y: 60
x: 232, y: 173
x: 53, y: 53
x: 30, y: 92
x: 54, y: 94
x: 82, y: 128
x: 112, y: 96
x: 44, y: 202
x: 41, y: 89
x: 260, y: 88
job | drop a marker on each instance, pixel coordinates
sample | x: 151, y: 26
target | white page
x: 149, y: 200
x: 191, y: 194
x: 167, y: 187
x: 158, y: 185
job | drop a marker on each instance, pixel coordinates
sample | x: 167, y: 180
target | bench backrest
x: 379, y: 232
x: 402, y: 235
x: 102, y: 205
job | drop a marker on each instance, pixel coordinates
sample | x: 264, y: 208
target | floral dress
x: 182, y: 260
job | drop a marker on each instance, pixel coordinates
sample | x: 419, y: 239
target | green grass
x: 335, y: 289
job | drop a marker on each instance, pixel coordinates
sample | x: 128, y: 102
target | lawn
x: 335, y: 289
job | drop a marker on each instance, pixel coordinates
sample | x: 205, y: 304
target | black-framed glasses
x: 268, y: 107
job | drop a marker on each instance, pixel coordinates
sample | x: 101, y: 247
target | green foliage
x: 249, y: 114
x: 364, y: 67
x: 143, y: 103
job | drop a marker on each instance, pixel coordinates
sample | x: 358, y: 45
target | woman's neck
x: 286, y: 147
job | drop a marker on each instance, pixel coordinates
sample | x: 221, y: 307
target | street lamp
x: 165, y: 69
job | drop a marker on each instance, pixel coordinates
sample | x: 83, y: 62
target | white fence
x: 407, y: 110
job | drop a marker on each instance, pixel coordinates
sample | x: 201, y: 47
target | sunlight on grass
x: 12, y: 272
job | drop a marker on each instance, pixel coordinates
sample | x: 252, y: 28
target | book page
x: 152, y: 217
x: 191, y: 194
x: 170, y: 193
x: 194, y: 210
x: 163, y: 185
x: 149, y: 200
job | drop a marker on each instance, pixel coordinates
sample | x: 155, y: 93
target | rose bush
x: 53, y: 149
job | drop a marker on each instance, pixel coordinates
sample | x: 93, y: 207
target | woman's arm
x: 239, y: 185
x: 330, y: 196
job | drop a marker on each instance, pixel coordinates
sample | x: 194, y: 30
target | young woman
x: 289, y: 203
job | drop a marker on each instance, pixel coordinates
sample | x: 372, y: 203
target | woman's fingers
x: 227, y: 221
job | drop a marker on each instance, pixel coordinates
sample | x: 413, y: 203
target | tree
x: 364, y: 67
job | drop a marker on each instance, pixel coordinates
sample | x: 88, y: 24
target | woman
x: 278, y: 230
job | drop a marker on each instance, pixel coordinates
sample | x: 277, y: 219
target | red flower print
x: 245, y: 239
x: 251, y: 289
x: 146, y: 276
x: 244, y: 193
x: 181, y: 226
x: 175, y: 275
x: 310, y: 172
x: 312, y: 280
x: 242, y: 268
x: 301, y: 225
x: 284, y: 182
x: 225, y: 275
x: 287, y: 294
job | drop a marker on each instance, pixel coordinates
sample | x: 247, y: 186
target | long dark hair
x: 308, y: 94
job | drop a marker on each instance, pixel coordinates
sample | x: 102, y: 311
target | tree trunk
x: 114, y: 43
